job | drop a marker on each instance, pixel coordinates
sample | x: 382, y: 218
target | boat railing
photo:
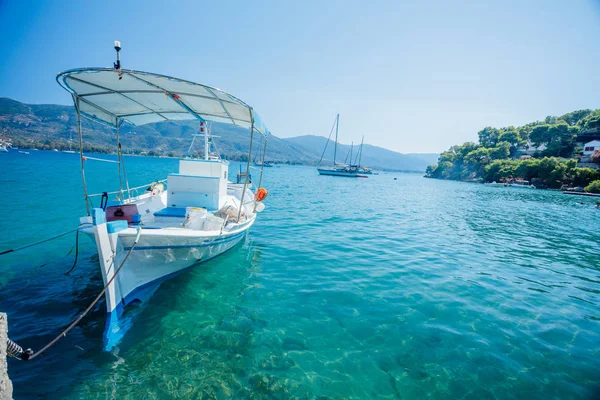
x: 125, y: 190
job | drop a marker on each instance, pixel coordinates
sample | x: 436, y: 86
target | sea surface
x: 391, y: 287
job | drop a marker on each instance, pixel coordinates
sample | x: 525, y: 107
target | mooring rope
x: 42, y: 241
x: 16, y: 351
x: 76, y: 253
x: 32, y: 355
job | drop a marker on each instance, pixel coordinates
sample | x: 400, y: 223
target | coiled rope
x: 32, y: 355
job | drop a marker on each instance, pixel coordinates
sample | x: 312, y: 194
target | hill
x: 50, y: 126
x: 548, y: 153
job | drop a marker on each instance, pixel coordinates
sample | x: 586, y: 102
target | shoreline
x: 570, y: 192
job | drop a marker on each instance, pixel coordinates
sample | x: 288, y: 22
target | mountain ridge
x: 50, y: 126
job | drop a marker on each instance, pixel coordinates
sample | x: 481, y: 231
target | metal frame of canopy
x: 198, y: 102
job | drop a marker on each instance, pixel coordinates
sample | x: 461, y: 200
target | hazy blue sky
x: 412, y: 76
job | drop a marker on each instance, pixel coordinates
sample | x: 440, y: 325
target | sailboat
x: 143, y: 239
x: 70, y: 144
x: 336, y: 169
x: 361, y: 168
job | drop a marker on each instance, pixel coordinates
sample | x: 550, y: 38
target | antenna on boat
x: 117, y: 65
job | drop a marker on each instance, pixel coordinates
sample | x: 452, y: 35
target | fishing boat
x: 336, y: 169
x: 193, y: 215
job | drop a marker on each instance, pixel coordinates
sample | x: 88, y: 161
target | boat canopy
x: 114, y: 96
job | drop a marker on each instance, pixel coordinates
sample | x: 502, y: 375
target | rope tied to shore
x: 30, y: 355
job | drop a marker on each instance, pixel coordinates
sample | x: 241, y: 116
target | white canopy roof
x: 115, y: 96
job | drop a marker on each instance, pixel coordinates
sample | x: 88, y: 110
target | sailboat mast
x: 337, y: 124
x: 360, y: 152
x: 351, y: 147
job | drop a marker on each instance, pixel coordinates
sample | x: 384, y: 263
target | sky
x: 411, y: 76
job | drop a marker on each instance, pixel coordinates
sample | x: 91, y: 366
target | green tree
x: 573, y: 118
x: 501, y: 151
x: 528, y: 169
x: 430, y: 171
x: 488, y: 136
x: 512, y: 136
x: 539, y: 134
x: 593, y: 187
x: 583, y: 176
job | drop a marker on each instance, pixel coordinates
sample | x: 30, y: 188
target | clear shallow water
x: 368, y: 288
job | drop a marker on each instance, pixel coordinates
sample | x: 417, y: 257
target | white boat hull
x: 333, y: 172
x: 159, y: 254
x: 156, y: 258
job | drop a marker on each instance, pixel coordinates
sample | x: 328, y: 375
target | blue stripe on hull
x: 187, y: 246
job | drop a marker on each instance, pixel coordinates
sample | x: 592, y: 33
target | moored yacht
x: 336, y: 169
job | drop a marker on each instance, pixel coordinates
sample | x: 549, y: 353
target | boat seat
x: 175, y: 212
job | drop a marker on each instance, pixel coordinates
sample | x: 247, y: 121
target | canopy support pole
x: 85, y: 195
x: 247, y: 166
x: 262, y: 167
x: 125, y: 175
x: 119, y: 161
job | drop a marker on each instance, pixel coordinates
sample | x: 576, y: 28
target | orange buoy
x: 261, y: 194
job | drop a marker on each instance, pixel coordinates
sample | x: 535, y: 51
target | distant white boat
x: 494, y: 183
x: 513, y: 184
x: 3, y: 149
x: 520, y: 185
x: 266, y: 164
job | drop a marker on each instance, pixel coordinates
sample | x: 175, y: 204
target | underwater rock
x: 290, y: 344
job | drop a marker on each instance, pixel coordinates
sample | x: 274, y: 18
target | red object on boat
x: 122, y: 212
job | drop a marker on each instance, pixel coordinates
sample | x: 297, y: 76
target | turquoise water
x: 344, y: 288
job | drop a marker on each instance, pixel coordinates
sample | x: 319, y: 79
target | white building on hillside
x: 530, y: 149
x: 590, y: 147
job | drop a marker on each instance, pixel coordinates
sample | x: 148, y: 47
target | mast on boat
x: 204, y: 131
x: 360, y: 151
x: 337, y: 124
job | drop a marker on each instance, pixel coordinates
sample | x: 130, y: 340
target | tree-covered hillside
x: 544, y: 152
